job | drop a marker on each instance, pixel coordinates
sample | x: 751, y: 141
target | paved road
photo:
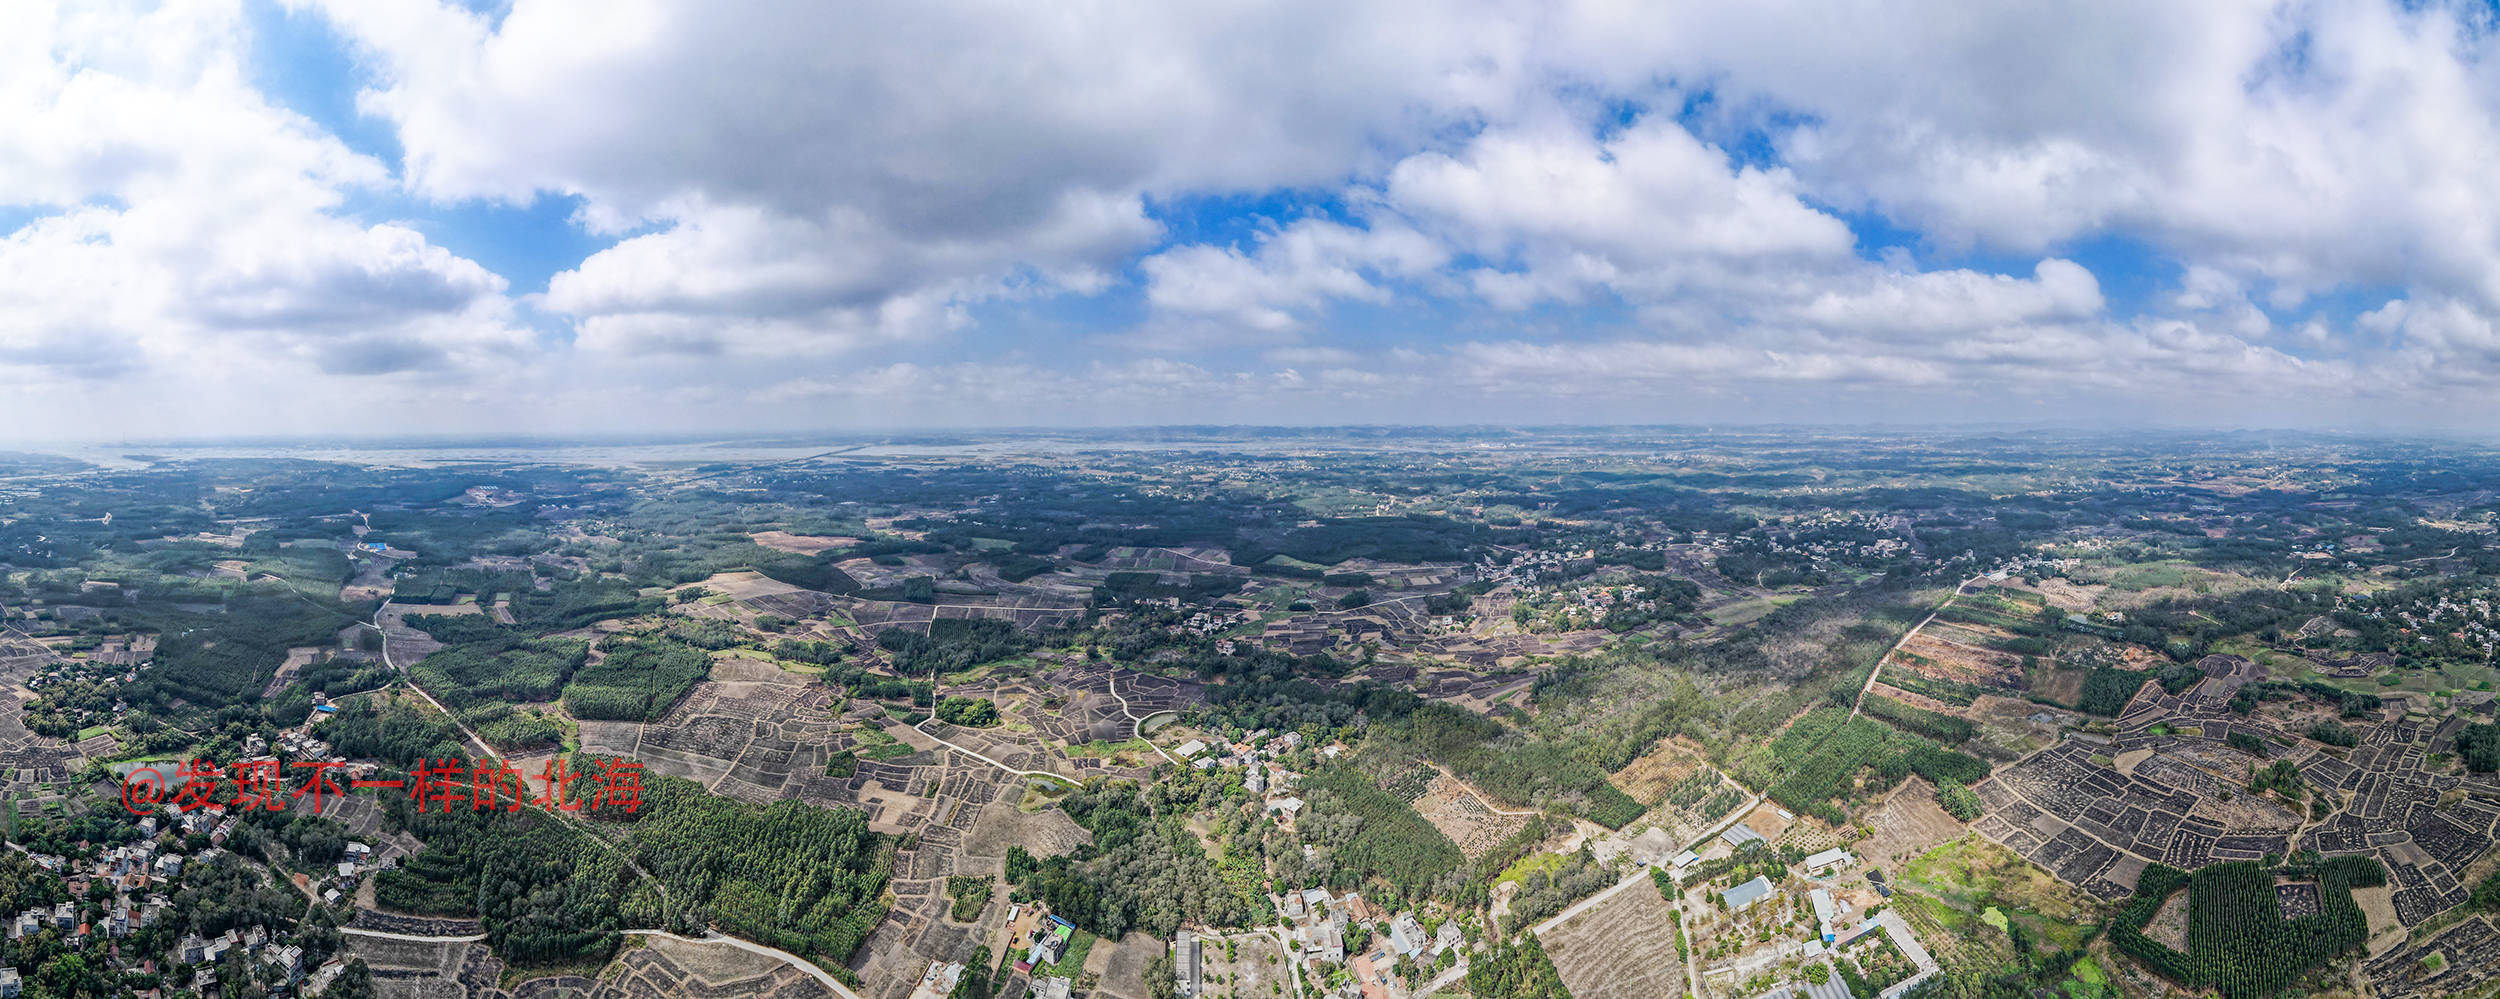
x: 752, y: 947
x: 1640, y: 875
x: 1443, y: 980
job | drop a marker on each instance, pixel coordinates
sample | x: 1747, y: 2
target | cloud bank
x: 953, y: 212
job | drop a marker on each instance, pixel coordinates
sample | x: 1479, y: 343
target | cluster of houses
x: 1256, y: 754
x: 285, y: 960
x: 1531, y: 567
x: 132, y: 871
x: 1043, y: 947
x: 1323, y: 924
x: 1215, y: 622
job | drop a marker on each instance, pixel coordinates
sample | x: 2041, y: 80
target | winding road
x: 1137, y: 728
x: 810, y: 967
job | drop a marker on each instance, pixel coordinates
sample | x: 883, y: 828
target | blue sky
x: 287, y: 215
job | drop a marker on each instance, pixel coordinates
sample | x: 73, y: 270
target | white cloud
x: 186, y: 224
x: 1958, y: 301
x: 1649, y: 213
x: 851, y: 204
x: 1289, y: 273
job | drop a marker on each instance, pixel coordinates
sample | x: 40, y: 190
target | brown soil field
x: 1913, y: 699
x: 1907, y: 824
x: 2379, y: 905
x: 2061, y: 685
x: 1447, y: 805
x: 1934, y: 656
x: 2170, y: 922
x: 1765, y: 819
x: 2068, y: 596
x: 804, y: 544
x: 1649, y: 778
x: 1624, y: 946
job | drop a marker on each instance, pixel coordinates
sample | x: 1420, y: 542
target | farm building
x: 1743, y: 896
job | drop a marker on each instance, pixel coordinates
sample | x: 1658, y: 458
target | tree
x: 1958, y: 799
x: 1161, y: 981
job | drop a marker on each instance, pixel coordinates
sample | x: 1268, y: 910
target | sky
x: 620, y: 216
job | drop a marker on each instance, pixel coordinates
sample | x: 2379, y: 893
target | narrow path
x: 1480, y: 798
x: 933, y: 737
x: 1137, y: 730
x: 486, y: 752
x: 803, y: 964
x: 411, y: 937
x: 1640, y: 875
x: 1444, y: 980
x: 1860, y: 703
x: 1292, y: 960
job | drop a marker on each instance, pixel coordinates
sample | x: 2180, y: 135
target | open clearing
x: 1624, y: 946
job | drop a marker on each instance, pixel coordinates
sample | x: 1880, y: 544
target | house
x: 192, y: 949
x: 1362, y: 911
x: 1323, y: 940
x: 1191, y: 748
x: 64, y: 916
x: 1449, y: 937
x: 10, y: 985
x: 1290, y: 808
x: 1406, y: 936
x: 1828, y: 859
x: 1740, y: 834
x: 288, y: 959
x: 1185, y: 963
x: 1051, y: 942
x: 1823, y: 913
x: 169, y: 866
x: 323, y: 976
x: 1315, y: 897
x: 1743, y: 896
